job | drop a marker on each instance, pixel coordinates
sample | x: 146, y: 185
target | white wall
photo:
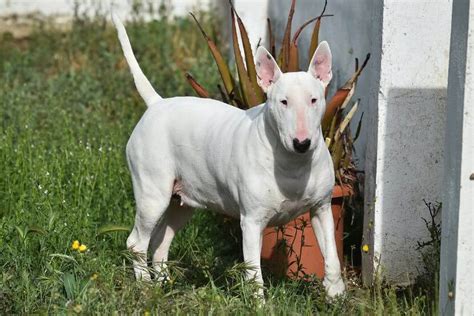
x: 457, y: 250
x: 407, y: 164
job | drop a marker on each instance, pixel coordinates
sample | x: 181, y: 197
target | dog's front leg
x: 323, y: 226
x: 252, y: 246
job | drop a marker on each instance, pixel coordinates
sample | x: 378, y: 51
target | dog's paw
x: 141, y: 274
x: 334, y: 288
x: 259, y: 296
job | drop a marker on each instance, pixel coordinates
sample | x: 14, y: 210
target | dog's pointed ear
x: 267, y: 69
x: 320, y: 66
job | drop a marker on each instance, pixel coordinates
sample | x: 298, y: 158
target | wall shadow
x: 410, y: 170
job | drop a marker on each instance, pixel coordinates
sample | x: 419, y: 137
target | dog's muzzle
x: 301, y: 146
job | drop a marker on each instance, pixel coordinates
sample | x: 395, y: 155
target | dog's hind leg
x: 174, y: 219
x: 152, y: 201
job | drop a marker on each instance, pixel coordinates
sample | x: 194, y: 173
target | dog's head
x: 295, y: 100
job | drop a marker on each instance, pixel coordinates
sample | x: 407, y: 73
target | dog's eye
x: 313, y: 100
x: 284, y: 102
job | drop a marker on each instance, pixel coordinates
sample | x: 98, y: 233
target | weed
x: 427, y: 281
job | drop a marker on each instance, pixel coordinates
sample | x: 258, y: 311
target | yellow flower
x: 75, y: 245
x: 146, y: 313
x: 82, y: 248
x: 94, y: 276
x: 365, y: 248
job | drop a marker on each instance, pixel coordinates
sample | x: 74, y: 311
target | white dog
x: 264, y: 166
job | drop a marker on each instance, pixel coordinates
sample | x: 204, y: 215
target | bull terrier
x: 264, y: 166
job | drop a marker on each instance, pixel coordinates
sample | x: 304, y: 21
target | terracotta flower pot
x: 293, y: 250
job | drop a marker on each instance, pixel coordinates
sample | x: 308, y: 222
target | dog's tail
x: 144, y: 86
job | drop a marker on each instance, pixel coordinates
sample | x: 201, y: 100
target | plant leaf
x: 346, y: 121
x: 315, y: 35
x: 332, y: 130
x: 337, y: 152
x: 248, y: 94
x: 284, y: 55
x: 224, y: 96
x: 314, y: 38
x: 359, y: 125
x: 349, y: 97
x: 341, y: 97
x: 332, y: 107
x: 301, y: 28
x: 305, y: 24
x: 271, y: 38
x: 293, y: 60
x: 222, y: 66
x: 200, y: 90
x: 293, y: 63
x: 249, y: 60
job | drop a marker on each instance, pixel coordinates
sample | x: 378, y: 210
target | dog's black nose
x: 302, y: 146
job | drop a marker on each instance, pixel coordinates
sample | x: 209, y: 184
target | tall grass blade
x: 106, y: 229
x: 69, y: 282
x: 21, y: 232
x: 36, y: 229
x: 63, y: 256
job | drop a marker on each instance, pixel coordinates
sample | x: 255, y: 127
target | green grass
x: 67, y: 106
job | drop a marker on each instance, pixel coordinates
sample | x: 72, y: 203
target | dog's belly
x: 205, y: 198
x: 273, y: 208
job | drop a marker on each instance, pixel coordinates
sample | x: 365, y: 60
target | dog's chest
x: 288, y: 210
x: 282, y: 201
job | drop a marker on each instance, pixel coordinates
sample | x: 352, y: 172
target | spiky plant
x: 245, y: 93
